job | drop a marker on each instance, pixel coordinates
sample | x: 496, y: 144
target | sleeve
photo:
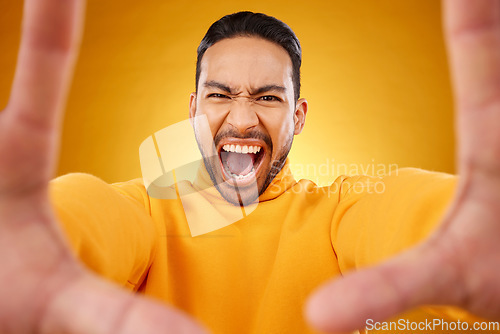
x: 377, y: 218
x: 109, y: 227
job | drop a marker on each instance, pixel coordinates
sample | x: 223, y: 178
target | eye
x: 269, y: 98
x: 218, y: 96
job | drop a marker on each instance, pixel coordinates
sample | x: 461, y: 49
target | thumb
x: 422, y: 275
x: 91, y: 305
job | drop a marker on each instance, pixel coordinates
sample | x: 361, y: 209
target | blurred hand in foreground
x: 458, y: 264
x: 44, y: 289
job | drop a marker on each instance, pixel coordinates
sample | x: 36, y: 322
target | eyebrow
x: 269, y: 88
x: 260, y: 90
x: 215, y: 84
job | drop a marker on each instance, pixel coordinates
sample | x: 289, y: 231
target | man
x: 48, y: 291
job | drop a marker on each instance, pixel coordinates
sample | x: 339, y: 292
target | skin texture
x: 232, y: 73
x: 49, y: 292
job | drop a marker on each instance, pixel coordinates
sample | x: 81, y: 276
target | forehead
x: 246, y: 61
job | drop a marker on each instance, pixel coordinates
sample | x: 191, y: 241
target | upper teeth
x: 241, y: 148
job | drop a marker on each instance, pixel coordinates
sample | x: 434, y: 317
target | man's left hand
x: 459, y: 264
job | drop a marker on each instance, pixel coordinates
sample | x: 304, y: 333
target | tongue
x: 239, y: 163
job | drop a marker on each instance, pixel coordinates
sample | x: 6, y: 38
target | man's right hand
x: 43, y: 287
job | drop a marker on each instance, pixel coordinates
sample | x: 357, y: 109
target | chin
x: 239, y: 196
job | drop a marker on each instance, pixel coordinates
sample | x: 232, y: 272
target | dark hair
x: 259, y: 25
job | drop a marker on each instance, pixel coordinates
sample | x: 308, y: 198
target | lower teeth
x: 237, y: 176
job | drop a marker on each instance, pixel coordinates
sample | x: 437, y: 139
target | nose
x: 242, y: 115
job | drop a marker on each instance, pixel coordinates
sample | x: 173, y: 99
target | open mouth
x: 240, y: 163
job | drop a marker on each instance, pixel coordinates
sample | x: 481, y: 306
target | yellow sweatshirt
x: 254, y: 275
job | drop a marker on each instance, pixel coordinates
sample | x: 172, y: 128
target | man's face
x: 246, y: 92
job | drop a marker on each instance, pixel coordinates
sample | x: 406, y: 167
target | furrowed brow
x: 269, y: 88
x: 215, y: 84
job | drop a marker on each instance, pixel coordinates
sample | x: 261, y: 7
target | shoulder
x: 90, y: 188
x: 400, y: 184
x: 403, y: 180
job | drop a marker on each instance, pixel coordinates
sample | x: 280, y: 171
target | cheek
x: 280, y: 126
x: 214, y: 116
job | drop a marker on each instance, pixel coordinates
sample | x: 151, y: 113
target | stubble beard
x: 276, y: 165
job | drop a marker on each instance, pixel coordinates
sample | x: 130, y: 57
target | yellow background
x: 374, y: 72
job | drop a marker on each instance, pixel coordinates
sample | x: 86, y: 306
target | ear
x: 299, y: 117
x: 192, y: 105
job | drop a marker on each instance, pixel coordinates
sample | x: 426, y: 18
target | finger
x: 473, y: 39
x: 93, y: 306
x: 384, y: 291
x: 49, y: 44
x: 28, y: 127
x: 473, y: 35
